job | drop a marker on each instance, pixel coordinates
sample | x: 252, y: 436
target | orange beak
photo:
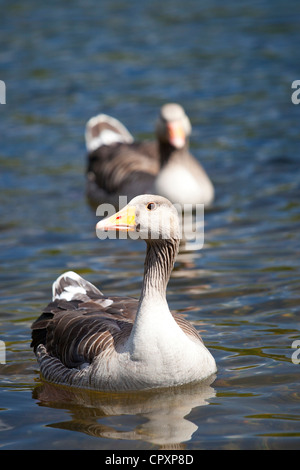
x: 124, y: 220
x: 176, y: 134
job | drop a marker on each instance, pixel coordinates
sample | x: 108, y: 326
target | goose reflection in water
x: 163, y: 414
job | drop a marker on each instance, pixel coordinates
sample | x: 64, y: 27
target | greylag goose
x: 88, y: 340
x: 117, y: 165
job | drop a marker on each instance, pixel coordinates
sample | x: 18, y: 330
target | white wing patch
x: 70, y: 293
x: 106, y: 136
x: 70, y: 286
x: 106, y: 303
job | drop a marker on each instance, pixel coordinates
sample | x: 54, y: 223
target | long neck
x: 159, y: 263
x: 168, y: 152
x: 153, y: 321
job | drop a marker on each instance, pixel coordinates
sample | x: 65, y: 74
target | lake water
x: 231, y: 65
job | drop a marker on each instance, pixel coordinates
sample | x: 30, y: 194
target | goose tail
x: 105, y: 130
x: 70, y: 286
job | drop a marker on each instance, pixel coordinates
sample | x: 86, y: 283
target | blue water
x: 231, y: 65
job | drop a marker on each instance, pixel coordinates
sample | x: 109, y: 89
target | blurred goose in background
x: 88, y: 340
x: 118, y: 165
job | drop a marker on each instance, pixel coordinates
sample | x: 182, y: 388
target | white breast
x: 180, y: 186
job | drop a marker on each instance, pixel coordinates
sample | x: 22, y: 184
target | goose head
x: 173, y: 125
x: 151, y: 217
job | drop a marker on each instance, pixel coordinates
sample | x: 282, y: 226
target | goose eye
x: 151, y: 206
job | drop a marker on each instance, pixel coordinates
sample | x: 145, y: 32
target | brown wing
x: 119, y: 167
x: 75, y: 331
x: 186, y: 326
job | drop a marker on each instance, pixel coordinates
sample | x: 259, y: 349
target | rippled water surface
x: 231, y: 65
